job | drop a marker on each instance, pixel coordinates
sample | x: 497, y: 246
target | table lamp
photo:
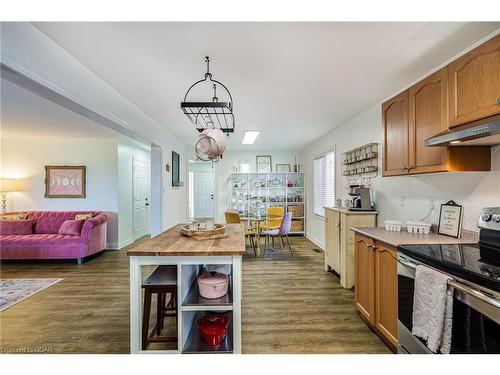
x: 8, y: 185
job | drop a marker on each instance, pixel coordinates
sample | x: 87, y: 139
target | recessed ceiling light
x: 250, y: 137
x: 455, y: 142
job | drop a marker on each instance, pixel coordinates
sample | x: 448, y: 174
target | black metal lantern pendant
x: 212, y: 114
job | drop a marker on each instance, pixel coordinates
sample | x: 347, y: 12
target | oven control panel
x: 489, y: 218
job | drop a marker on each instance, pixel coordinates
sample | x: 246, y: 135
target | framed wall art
x: 450, y: 219
x: 282, y: 167
x: 264, y: 164
x: 64, y: 181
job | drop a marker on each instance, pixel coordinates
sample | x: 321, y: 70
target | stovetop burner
x: 478, y: 263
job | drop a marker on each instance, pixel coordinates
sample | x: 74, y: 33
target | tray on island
x: 200, y: 234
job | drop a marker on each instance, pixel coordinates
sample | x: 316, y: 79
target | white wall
x: 26, y: 49
x: 223, y: 170
x: 126, y: 152
x: 26, y: 158
x: 473, y: 190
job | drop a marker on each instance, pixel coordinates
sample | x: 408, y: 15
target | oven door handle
x: 408, y: 264
x: 476, y: 293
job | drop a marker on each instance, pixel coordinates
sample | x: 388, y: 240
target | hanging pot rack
x: 210, y: 114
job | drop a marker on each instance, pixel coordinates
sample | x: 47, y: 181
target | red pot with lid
x: 213, y: 328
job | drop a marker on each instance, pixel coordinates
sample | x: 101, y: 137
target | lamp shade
x: 10, y: 184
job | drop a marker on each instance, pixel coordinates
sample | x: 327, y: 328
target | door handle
x: 147, y: 204
x: 211, y: 196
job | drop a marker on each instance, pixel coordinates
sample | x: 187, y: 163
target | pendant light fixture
x: 211, y: 114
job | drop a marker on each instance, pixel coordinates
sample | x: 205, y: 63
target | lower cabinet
x: 376, y: 287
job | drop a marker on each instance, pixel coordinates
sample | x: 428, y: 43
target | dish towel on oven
x: 433, y: 309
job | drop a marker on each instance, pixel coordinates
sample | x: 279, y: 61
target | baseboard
x: 118, y: 246
x: 320, y: 244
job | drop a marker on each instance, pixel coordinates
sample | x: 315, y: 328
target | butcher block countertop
x: 173, y: 243
x: 405, y: 238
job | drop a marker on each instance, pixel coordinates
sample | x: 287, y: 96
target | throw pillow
x: 83, y: 216
x: 71, y: 227
x: 8, y: 227
x: 12, y: 217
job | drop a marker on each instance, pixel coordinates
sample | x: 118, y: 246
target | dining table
x: 257, y: 220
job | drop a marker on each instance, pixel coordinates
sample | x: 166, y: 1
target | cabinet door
x: 364, y: 290
x: 428, y: 116
x: 335, y: 224
x: 386, y: 292
x: 474, y: 84
x: 395, y: 122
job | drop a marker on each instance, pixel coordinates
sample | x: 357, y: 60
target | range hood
x: 485, y: 133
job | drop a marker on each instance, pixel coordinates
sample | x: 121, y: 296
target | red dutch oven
x: 213, y: 328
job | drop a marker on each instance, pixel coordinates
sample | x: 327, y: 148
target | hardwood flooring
x: 290, y: 305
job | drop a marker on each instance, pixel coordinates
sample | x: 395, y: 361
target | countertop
x: 405, y: 238
x: 347, y: 212
x: 173, y: 243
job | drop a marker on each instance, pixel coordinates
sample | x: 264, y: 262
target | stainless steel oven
x: 476, y: 309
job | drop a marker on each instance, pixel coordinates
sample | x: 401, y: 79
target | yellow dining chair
x: 274, y: 216
x: 234, y: 218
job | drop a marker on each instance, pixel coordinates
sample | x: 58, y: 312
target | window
x: 324, y: 182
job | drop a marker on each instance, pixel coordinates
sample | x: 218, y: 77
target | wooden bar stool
x: 162, y: 281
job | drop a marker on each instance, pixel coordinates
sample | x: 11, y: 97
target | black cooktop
x: 478, y: 263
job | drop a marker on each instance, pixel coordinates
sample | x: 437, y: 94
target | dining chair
x: 282, y: 232
x: 250, y: 233
x: 274, y: 217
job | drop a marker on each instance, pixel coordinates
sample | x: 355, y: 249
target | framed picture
x: 264, y: 164
x: 64, y: 181
x: 450, y: 219
x: 282, y: 167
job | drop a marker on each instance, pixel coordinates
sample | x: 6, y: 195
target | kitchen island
x: 171, y: 248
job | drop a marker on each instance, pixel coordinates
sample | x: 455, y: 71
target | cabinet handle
x: 403, y: 167
x: 498, y: 101
x: 411, y: 167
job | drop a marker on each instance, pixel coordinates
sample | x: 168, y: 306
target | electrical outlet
x: 402, y: 200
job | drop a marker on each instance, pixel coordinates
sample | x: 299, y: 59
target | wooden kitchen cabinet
x: 396, y: 132
x: 340, y: 242
x: 376, y: 287
x: 364, y: 292
x: 386, y: 292
x: 474, y: 84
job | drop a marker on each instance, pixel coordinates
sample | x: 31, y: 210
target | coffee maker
x: 361, y: 198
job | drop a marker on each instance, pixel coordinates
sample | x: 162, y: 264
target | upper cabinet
x: 474, y: 84
x: 427, y: 116
x: 466, y: 90
x: 395, y: 120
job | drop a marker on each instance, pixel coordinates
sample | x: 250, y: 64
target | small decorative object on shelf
x: 283, y: 168
x: 361, y: 160
x: 450, y: 219
x: 204, y: 231
x: 264, y: 164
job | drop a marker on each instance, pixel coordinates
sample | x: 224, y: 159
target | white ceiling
x: 28, y: 115
x: 293, y: 81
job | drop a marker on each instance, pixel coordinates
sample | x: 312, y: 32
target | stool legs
x: 145, y: 319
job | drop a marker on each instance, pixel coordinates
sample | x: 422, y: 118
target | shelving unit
x: 273, y: 189
x: 361, y: 160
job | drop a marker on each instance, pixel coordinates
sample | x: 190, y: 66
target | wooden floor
x: 290, y: 305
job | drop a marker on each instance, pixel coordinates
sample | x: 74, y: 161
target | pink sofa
x: 46, y: 243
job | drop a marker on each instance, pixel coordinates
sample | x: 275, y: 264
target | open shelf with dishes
x: 256, y: 192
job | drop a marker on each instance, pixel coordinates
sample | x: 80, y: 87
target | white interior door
x: 204, y: 195
x: 140, y: 198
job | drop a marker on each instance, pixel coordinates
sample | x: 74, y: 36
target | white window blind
x: 324, y: 182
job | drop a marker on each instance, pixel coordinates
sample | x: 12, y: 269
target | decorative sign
x: 64, y: 181
x: 283, y: 168
x: 264, y: 164
x: 450, y: 219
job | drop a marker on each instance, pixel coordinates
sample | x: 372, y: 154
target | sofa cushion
x: 51, y: 221
x: 14, y: 216
x: 71, y: 227
x: 46, y: 240
x: 16, y: 227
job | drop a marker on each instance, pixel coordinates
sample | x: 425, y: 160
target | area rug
x: 13, y: 291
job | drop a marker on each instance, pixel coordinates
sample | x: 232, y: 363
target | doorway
x: 140, y: 198
x: 201, y: 191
